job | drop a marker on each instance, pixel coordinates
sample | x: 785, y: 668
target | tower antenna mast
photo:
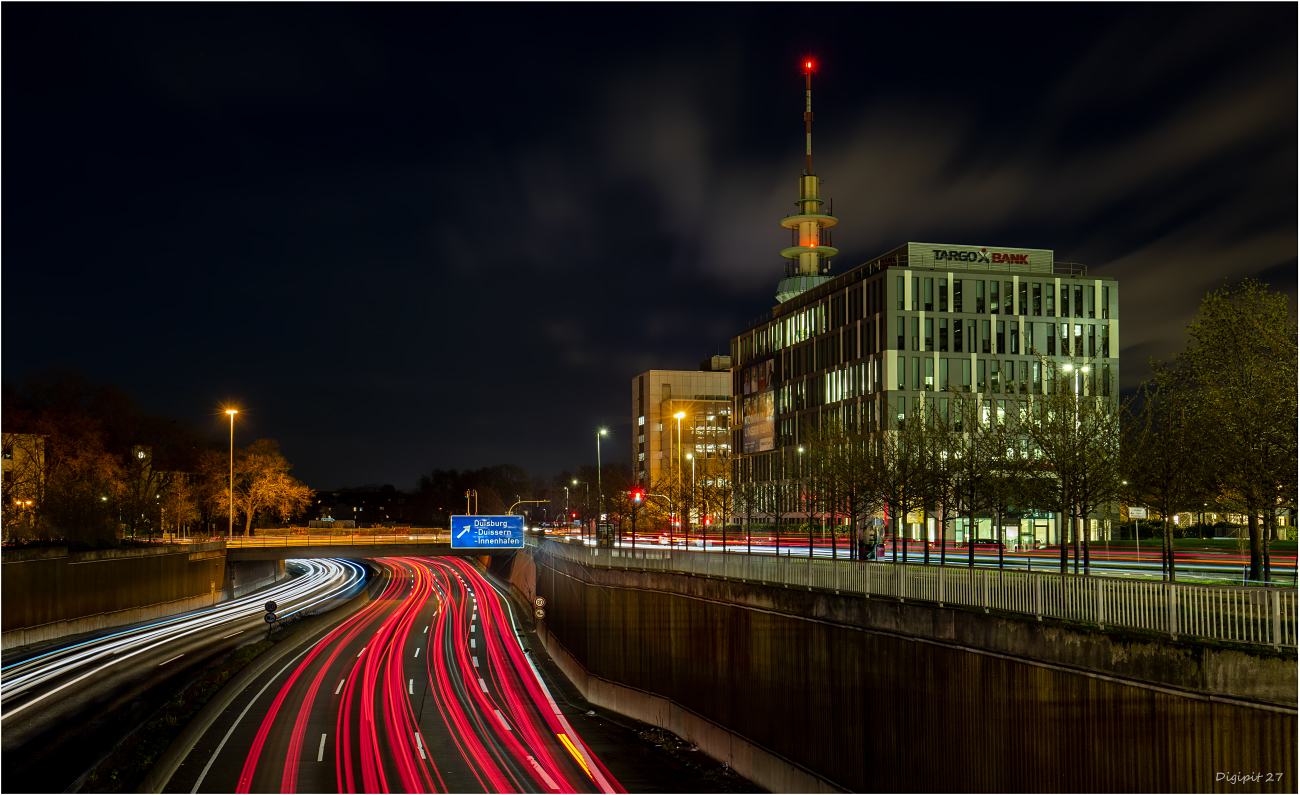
x: 807, y: 114
x: 810, y: 251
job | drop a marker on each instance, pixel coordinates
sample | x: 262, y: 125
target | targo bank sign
x: 1033, y: 259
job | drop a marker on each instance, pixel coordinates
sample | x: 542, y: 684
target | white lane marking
x: 474, y: 660
x: 340, y: 687
x: 320, y: 752
x: 420, y: 744
x: 363, y: 651
x: 502, y: 718
x: 482, y: 684
x: 410, y: 688
x: 247, y: 707
x: 471, y: 627
x: 426, y: 630
x: 164, y: 662
x: 471, y: 643
x: 417, y: 651
x: 550, y: 782
x: 231, y: 635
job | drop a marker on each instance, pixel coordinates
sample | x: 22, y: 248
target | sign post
x: 1135, y: 514
x: 487, y: 532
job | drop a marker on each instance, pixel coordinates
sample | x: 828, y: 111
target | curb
x: 171, y: 759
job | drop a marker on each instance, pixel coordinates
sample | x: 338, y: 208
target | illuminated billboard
x: 758, y: 407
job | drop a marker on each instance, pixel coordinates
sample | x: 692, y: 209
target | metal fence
x: 359, y: 539
x: 1257, y: 615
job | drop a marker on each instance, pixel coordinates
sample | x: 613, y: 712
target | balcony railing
x: 1252, y: 615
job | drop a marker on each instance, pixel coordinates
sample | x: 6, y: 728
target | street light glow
x: 680, y: 415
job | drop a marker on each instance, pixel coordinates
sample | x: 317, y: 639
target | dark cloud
x: 417, y: 236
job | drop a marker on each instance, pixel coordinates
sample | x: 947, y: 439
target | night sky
x: 403, y: 237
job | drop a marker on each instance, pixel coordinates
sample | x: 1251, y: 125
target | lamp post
x: 690, y: 511
x: 231, y: 530
x: 600, y: 494
x: 678, y: 416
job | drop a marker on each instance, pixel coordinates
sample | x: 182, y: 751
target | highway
x: 63, y: 707
x: 427, y: 688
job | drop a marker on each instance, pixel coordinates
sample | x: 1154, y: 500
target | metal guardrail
x: 349, y: 540
x: 1255, y: 615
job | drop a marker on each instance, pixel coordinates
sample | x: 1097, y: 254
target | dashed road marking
x: 320, y: 752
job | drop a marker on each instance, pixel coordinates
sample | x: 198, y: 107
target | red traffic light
x: 575, y: 515
x: 637, y: 496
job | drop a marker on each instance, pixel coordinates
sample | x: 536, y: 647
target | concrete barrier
x: 51, y: 593
x: 804, y: 690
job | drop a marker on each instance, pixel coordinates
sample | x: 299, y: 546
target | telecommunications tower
x: 808, y: 265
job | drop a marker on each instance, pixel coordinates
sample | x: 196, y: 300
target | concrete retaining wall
x: 805, y: 691
x: 50, y: 593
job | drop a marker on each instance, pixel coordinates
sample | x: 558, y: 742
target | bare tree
x: 1241, y: 361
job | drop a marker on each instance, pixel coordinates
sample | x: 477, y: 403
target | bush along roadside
x: 128, y: 764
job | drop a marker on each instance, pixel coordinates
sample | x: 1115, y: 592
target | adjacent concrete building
x: 702, y: 396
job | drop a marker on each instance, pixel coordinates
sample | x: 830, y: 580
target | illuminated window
x: 995, y: 382
x: 994, y: 303
x: 1029, y: 338
x: 1078, y: 338
x: 929, y: 374
x: 1008, y: 298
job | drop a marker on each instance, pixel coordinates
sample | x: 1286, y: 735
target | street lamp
x: 678, y: 416
x: 231, y: 530
x: 690, y: 516
x: 600, y: 495
x: 586, y: 491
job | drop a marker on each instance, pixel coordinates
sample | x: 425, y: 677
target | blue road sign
x: 487, y: 532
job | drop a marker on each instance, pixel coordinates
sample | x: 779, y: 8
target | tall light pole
x: 600, y: 494
x: 231, y: 530
x: 690, y: 516
x: 678, y: 416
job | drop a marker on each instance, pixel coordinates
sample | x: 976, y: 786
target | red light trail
x: 495, y: 726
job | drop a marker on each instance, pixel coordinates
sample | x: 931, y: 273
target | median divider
x: 306, y: 631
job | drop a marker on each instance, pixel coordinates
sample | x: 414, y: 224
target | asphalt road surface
x: 63, y: 706
x: 426, y: 689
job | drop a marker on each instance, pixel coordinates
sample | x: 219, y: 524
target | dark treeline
x: 85, y: 465
x: 442, y: 492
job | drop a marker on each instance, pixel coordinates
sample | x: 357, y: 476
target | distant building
x: 703, y: 396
